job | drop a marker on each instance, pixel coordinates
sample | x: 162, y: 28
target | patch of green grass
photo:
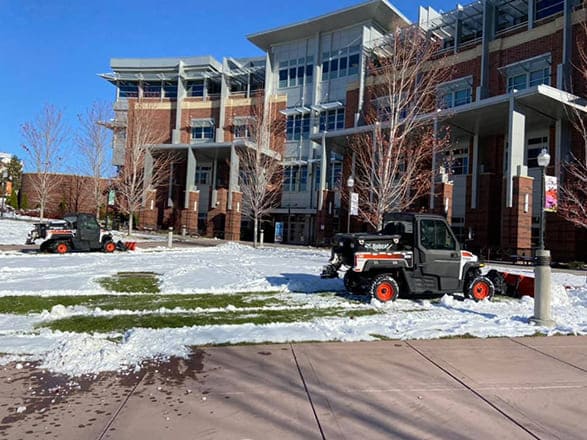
x: 36, y: 304
x: 131, y: 282
x: 120, y: 323
x: 463, y: 336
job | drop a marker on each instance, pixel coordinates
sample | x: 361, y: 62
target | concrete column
x: 567, y: 45
x: 515, y: 158
x: 176, y: 135
x: 224, y: 92
x: 323, y: 165
x: 542, y: 290
x: 458, y: 30
x: 190, y: 176
x: 488, y: 36
x: 233, y: 174
x: 531, y: 14
x: 475, y: 172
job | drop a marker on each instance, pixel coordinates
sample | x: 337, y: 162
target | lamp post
x: 542, y: 273
x: 349, y: 183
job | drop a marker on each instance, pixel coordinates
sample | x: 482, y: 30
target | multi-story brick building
x: 513, y: 73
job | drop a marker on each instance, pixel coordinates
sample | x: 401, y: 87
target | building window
x: 296, y: 72
x: 202, y: 130
x: 203, y: 173
x: 459, y: 161
x: 128, y: 90
x: 195, y: 88
x: 545, y: 8
x: 298, y: 127
x: 528, y: 73
x: 295, y: 178
x: 170, y: 90
x: 387, y: 112
x: 332, y: 119
x: 340, y: 63
x: 242, y: 127
x: 152, y: 89
x: 534, y: 147
x: 454, y: 93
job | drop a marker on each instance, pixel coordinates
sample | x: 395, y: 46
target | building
x: 508, y: 98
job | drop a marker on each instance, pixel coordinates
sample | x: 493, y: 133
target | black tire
x: 384, y: 288
x: 481, y: 288
x: 498, y: 280
x: 352, y: 283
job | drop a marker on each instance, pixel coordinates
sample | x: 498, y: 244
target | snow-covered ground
x: 230, y: 268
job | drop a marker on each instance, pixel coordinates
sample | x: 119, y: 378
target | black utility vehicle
x: 76, y: 232
x: 413, y: 254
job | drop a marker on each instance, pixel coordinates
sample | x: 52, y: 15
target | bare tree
x: 93, y: 142
x: 393, y: 163
x: 573, y: 200
x: 260, y: 163
x: 144, y: 167
x: 43, y: 141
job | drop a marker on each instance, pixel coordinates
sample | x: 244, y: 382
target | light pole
x: 349, y: 183
x: 542, y: 273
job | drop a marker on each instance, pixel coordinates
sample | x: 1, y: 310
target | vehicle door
x: 440, y: 252
x: 88, y: 229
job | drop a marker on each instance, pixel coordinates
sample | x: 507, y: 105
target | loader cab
x: 439, y: 251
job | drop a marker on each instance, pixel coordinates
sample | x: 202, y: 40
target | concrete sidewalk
x: 454, y: 389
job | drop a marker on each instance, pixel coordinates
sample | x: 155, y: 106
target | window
x: 202, y: 130
x: 459, y: 161
x: 242, y: 127
x: 298, y: 127
x: 454, y: 93
x: 128, y: 90
x: 152, y: 89
x: 435, y: 235
x: 170, y: 89
x: 386, y: 112
x: 195, y: 88
x: 340, y: 63
x: 296, y: 72
x: 332, y: 119
x: 528, y: 73
x: 545, y: 8
x: 203, y: 173
x: 535, y: 146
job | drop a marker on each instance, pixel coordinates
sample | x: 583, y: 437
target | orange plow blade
x: 512, y: 284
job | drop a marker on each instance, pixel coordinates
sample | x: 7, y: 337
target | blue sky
x: 53, y: 50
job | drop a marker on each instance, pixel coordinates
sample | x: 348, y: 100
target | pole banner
x: 551, y: 194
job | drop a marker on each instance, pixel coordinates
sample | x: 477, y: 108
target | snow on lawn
x: 230, y: 268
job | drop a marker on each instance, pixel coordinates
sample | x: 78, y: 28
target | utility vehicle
x: 413, y: 254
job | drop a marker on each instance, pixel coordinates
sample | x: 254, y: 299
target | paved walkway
x: 521, y: 388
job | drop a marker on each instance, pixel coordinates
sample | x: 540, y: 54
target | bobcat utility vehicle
x: 414, y: 254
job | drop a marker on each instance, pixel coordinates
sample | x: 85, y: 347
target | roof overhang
x: 380, y: 11
x: 542, y: 105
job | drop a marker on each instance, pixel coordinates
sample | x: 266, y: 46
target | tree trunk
x: 255, y: 230
x: 130, y: 221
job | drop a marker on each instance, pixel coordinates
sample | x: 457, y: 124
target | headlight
x: 361, y: 242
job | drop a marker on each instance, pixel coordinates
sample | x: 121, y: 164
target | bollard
x: 184, y: 230
x: 542, y: 294
x: 170, y: 238
x: 262, y: 238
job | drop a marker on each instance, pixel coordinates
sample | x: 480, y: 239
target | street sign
x: 111, y: 197
x: 354, y: 203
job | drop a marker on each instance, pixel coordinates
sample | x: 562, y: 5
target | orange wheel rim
x: 110, y: 247
x: 384, y: 291
x: 480, y: 290
x: 61, y: 248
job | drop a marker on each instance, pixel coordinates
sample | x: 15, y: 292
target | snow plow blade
x: 512, y: 284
